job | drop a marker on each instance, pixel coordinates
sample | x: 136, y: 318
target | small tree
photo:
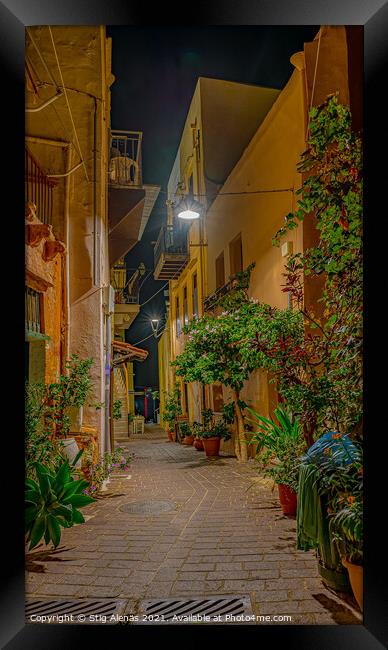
x: 218, y: 349
x: 172, y: 407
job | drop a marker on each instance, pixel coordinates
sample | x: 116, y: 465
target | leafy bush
x: 98, y: 472
x: 172, y: 406
x: 185, y: 429
x: 116, y: 410
x: 46, y: 414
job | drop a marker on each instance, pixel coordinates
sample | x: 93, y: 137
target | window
x: 33, y: 310
x: 218, y: 400
x: 236, y: 256
x: 220, y: 271
x: 195, y: 296
x: 185, y: 307
x: 177, y: 317
x: 186, y: 394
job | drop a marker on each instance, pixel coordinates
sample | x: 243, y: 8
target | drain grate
x: 148, y: 507
x: 219, y: 609
x: 73, y: 611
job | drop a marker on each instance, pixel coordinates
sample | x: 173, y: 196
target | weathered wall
x: 85, y: 60
x: 46, y: 278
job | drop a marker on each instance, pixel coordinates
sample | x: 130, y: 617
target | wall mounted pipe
x: 46, y: 103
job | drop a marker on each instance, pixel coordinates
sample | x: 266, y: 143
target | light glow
x: 188, y: 214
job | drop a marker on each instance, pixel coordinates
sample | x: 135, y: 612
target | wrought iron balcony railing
x: 211, y: 301
x: 38, y: 188
x: 126, y: 292
x: 125, y: 163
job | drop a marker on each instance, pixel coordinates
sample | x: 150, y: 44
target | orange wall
x: 38, y: 274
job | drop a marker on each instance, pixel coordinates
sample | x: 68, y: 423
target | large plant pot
x: 188, y: 440
x: 288, y: 499
x: 198, y: 444
x: 212, y: 446
x: 356, y: 574
x: 70, y: 450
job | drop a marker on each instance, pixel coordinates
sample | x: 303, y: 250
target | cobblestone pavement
x: 218, y: 538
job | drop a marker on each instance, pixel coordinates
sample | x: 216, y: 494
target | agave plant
x: 279, y: 446
x: 52, y: 502
x: 271, y: 434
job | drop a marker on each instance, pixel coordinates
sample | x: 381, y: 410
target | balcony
x: 126, y: 296
x: 212, y: 300
x: 39, y: 188
x: 170, y: 253
x: 125, y: 169
x: 130, y: 202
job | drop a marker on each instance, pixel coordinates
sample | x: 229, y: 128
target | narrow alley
x: 184, y: 527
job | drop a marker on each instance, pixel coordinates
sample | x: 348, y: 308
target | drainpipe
x: 67, y: 242
x: 108, y: 382
x: 96, y: 275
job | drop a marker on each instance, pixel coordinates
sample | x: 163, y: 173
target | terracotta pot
x: 198, y: 444
x: 188, y: 440
x: 288, y: 499
x: 212, y: 446
x: 356, y: 580
x: 170, y: 436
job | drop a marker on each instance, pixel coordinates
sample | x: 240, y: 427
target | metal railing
x: 171, y: 241
x: 32, y: 310
x: 211, y: 301
x: 38, y: 188
x: 125, y: 158
x: 126, y: 293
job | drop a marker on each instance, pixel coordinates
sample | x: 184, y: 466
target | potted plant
x: 347, y: 529
x: 213, y: 432
x: 340, y: 480
x: 279, y: 447
x: 172, y: 409
x: 186, y: 432
x: 198, y: 442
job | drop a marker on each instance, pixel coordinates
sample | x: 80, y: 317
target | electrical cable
x: 149, y: 337
x: 314, y: 80
x: 68, y: 105
x: 283, y: 189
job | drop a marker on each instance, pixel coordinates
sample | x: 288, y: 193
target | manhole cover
x: 217, y: 609
x: 40, y: 610
x: 148, y: 507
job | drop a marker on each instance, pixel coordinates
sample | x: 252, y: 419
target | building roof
x: 128, y: 352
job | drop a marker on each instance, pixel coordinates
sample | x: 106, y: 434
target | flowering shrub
x: 319, y: 370
x: 98, y: 472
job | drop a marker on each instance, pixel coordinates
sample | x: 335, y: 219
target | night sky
x: 156, y: 70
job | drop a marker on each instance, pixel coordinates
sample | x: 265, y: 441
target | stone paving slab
x: 225, y: 534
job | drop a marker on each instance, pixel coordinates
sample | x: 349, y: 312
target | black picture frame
x: 14, y: 16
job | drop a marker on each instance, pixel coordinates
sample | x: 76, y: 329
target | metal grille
x: 176, y: 610
x: 148, y: 507
x: 39, y: 188
x: 32, y: 310
x: 73, y: 609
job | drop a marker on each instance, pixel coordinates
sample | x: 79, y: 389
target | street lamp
x: 188, y: 208
x: 154, y: 325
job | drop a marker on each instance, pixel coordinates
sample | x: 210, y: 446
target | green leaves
x: 52, y: 502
